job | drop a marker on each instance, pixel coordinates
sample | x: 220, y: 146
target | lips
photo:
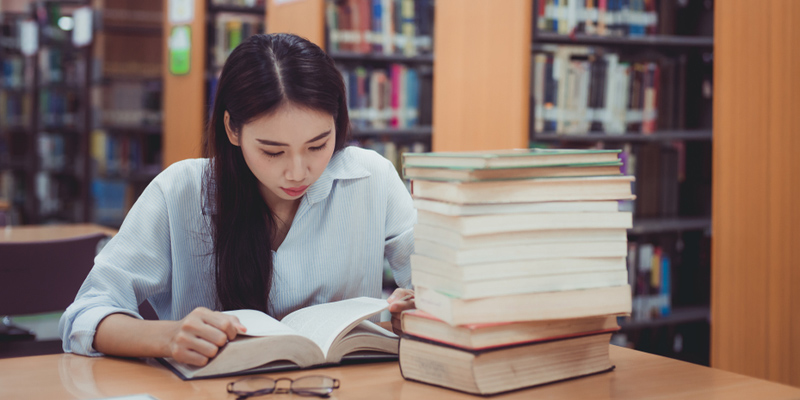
x: 295, y: 191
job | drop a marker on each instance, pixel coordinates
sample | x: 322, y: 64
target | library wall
x: 756, y: 222
x: 482, y: 89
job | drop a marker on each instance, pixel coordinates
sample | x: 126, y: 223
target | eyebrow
x: 271, y: 143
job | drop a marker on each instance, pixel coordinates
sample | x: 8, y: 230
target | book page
x: 260, y: 324
x: 324, y: 323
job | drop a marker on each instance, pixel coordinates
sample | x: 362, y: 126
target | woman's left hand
x: 398, y: 305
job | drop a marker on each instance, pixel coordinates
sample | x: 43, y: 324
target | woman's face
x: 287, y: 150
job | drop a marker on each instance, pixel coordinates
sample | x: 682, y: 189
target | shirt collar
x: 341, y: 167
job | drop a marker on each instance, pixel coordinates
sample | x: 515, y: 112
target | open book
x: 312, y: 336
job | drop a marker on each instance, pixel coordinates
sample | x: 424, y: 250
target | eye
x: 318, y: 148
x: 269, y: 154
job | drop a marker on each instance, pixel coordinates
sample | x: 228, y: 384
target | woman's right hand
x: 197, y: 337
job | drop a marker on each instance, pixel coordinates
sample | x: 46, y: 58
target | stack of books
x: 519, y: 267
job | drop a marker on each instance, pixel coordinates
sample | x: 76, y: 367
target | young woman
x: 279, y: 217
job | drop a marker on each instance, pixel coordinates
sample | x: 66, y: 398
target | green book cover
x: 518, y: 158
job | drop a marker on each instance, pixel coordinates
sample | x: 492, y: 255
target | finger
x: 401, y: 306
x: 192, y: 358
x: 400, y: 293
x: 187, y: 343
x: 204, y: 330
x: 228, y: 324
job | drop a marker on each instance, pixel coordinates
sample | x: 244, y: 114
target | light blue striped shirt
x: 356, y: 214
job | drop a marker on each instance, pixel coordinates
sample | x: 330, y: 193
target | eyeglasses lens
x: 254, y: 384
x: 314, y: 386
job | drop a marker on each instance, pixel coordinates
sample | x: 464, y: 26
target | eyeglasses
x: 315, y: 385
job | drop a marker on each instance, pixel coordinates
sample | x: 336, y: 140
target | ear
x: 232, y: 136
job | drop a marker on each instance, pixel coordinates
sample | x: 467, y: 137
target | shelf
x: 218, y: 8
x: 678, y: 316
x: 13, y: 166
x: 130, y: 176
x: 384, y: 58
x: 649, y: 41
x: 61, y: 44
x: 659, y: 225
x: 60, y: 86
x: 63, y: 172
x: 17, y: 90
x: 129, y: 78
x: 132, y: 129
x: 65, y: 129
x: 415, y: 132
x: 14, y: 130
x: 132, y: 30
x: 659, y: 136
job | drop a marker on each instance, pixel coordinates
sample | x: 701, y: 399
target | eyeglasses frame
x: 241, y: 395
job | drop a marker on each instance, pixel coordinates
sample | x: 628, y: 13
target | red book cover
x: 395, y: 71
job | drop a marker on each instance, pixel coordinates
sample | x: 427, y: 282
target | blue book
x: 412, y: 97
x: 555, y: 17
x: 666, y: 285
x: 377, y: 25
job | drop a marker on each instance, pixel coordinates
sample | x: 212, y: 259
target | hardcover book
x: 510, y: 158
x: 318, y: 335
x: 501, y: 334
x: 500, y: 370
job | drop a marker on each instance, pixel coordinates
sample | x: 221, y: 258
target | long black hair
x: 261, y: 74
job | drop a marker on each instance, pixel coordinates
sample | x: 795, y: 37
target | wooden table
x: 33, y: 233
x: 637, y: 376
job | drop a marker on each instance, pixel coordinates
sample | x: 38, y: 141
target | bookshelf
x: 668, y: 148
x: 16, y: 119
x: 389, y: 46
x: 186, y: 98
x: 62, y: 119
x: 126, y: 139
x: 366, y: 52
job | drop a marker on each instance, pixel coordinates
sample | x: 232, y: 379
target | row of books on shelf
x: 580, y: 89
x: 125, y: 154
x: 14, y: 73
x: 394, y: 97
x: 60, y: 66
x: 54, y: 152
x: 111, y: 200
x: 660, y: 170
x: 380, y: 26
x: 599, y: 17
x: 127, y: 55
x: 127, y: 13
x: 229, y: 31
x: 127, y: 103
x: 59, y: 108
x: 650, y: 277
x: 15, y: 109
x: 54, y: 193
x: 518, y: 265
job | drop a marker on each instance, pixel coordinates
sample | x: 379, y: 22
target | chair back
x: 44, y: 276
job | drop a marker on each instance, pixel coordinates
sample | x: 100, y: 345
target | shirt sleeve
x: 133, y: 266
x: 400, y: 219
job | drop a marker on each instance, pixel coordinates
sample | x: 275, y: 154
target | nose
x: 296, y: 170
